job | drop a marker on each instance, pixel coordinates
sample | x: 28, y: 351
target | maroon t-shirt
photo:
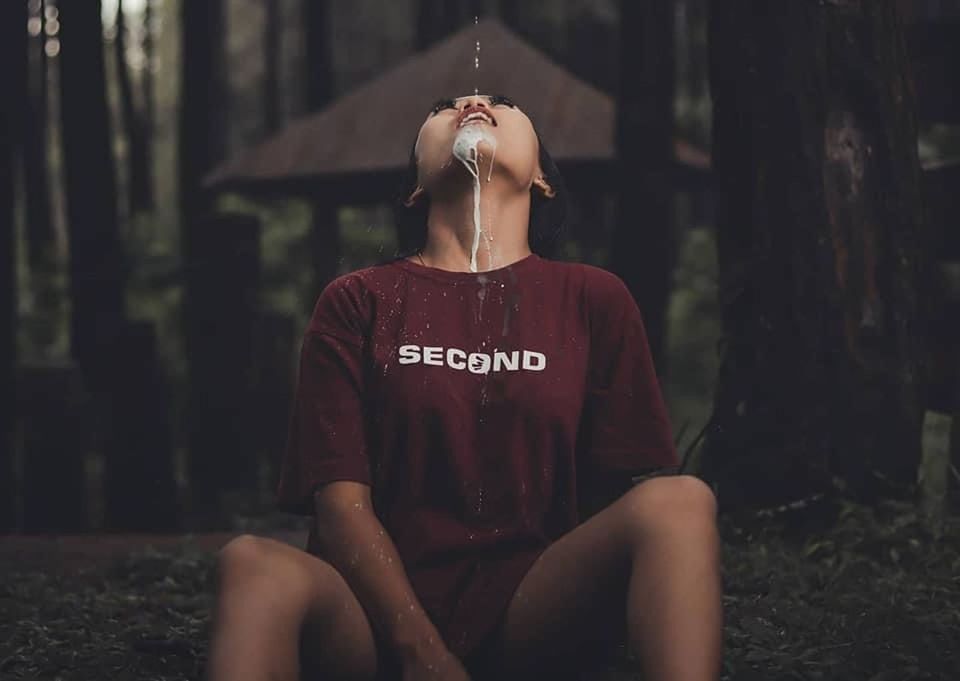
x: 471, y: 402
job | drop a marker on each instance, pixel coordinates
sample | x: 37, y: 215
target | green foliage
x: 693, y: 329
x: 939, y: 143
x: 368, y: 236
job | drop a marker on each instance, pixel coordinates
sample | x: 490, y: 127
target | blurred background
x: 181, y: 179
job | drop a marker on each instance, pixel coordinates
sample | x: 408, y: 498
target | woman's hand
x: 437, y: 665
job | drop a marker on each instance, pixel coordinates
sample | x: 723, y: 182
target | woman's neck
x: 503, y: 240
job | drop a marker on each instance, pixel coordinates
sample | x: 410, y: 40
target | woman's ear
x: 540, y: 182
x: 414, y: 197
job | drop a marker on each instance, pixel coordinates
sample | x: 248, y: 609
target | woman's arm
x: 352, y: 539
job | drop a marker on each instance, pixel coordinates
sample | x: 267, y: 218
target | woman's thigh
x: 336, y: 638
x: 570, y: 607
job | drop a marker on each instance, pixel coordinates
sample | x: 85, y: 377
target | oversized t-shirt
x: 471, y: 403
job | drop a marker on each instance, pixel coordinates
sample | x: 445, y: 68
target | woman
x: 448, y: 405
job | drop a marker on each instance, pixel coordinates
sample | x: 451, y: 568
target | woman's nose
x: 474, y: 100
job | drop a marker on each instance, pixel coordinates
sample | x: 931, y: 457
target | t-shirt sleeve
x: 326, y: 439
x: 626, y: 427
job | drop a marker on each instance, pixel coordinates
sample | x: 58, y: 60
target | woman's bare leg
x: 649, y: 562
x: 282, y: 612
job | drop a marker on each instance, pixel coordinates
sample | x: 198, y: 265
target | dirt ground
x: 846, y: 593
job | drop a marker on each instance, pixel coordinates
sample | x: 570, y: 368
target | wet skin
x: 517, y: 147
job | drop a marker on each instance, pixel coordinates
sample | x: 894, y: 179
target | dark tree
x: 819, y: 240
x: 642, y: 246
x: 272, y: 26
x: 437, y: 19
x: 138, y: 158
x: 592, y: 48
x: 319, y: 81
x: 109, y: 352
x: 318, y: 65
x: 96, y: 277
x: 202, y: 144
x: 202, y: 111
x: 39, y: 226
x: 13, y: 82
x: 149, y: 102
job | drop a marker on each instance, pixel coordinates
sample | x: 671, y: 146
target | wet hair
x: 548, y: 216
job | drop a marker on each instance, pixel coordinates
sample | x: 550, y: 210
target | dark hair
x: 548, y: 216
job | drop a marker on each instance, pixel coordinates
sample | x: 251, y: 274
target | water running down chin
x: 466, y: 150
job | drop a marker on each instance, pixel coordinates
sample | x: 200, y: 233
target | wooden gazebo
x: 356, y: 149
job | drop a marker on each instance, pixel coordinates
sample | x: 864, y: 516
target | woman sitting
x: 452, y: 405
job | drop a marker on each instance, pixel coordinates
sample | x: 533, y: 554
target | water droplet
x: 476, y: 60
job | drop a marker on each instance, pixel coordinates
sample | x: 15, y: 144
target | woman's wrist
x: 421, y: 643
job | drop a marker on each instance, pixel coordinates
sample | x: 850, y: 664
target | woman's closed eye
x: 441, y: 104
x: 502, y: 99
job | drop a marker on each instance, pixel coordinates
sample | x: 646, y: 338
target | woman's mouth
x: 476, y: 117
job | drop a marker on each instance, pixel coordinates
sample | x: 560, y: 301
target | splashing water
x: 465, y: 148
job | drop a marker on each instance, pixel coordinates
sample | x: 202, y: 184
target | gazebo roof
x: 371, y: 129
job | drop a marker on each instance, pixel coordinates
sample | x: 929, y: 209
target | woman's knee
x: 262, y: 577
x: 262, y: 566
x: 670, y: 500
x: 246, y: 554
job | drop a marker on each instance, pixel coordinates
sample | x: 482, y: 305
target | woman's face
x: 517, y: 148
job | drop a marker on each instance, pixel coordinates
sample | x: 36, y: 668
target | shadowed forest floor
x: 873, y: 597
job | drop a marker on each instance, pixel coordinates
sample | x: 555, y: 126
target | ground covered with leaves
x: 873, y: 596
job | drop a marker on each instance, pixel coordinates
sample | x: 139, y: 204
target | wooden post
x: 276, y: 362
x: 223, y: 452
x: 139, y: 489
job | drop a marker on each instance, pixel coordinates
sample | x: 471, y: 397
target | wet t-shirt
x: 471, y: 403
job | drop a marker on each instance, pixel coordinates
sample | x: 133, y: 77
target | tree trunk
x: 96, y: 266
x: 318, y: 65
x: 137, y: 157
x: 436, y: 19
x: 642, y: 252
x: 149, y: 102
x: 202, y: 143
x: 39, y: 226
x: 13, y: 82
x: 42, y: 253
x: 820, y: 250
x: 272, y: 27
